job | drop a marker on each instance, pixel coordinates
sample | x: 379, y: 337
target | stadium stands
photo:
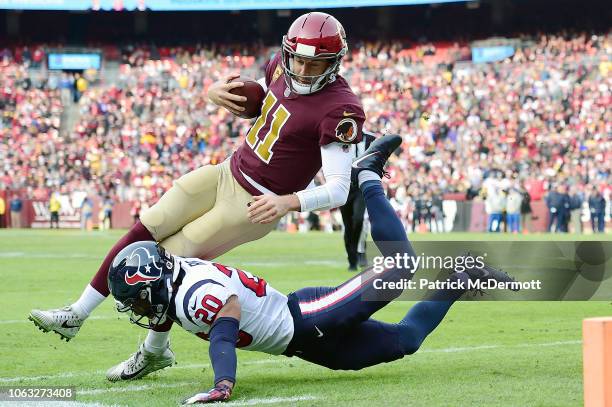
x: 536, y: 119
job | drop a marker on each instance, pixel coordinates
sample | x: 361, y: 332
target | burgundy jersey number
x: 253, y: 283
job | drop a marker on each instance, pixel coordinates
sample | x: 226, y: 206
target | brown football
x: 254, y: 94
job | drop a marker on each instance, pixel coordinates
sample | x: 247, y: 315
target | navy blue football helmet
x: 139, y: 279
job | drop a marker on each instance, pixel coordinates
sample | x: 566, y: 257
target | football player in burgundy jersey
x: 310, y: 119
x: 329, y: 326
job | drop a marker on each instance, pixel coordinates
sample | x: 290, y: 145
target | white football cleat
x: 140, y: 364
x: 65, y: 322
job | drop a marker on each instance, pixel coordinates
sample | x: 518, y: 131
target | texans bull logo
x: 142, y: 256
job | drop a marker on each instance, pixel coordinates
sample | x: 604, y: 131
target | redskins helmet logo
x: 143, y: 273
x: 346, y: 130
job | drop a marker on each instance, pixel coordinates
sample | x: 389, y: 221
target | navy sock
x: 426, y: 315
x: 386, y: 226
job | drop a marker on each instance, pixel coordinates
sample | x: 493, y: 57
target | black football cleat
x: 487, y: 273
x: 375, y: 157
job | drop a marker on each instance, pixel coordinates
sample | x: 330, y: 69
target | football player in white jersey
x: 329, y: 326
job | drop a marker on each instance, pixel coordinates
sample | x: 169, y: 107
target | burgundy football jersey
x: 282, y: 149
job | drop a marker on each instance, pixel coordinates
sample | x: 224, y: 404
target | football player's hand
x: 219, y: 94
x: 268, y: 208
x: 221, y: 392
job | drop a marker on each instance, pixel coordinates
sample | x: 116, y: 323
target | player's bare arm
x: 222, y: 351
x: 219, y: 94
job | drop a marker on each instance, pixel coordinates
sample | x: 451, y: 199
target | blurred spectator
x: 526, y: 210
x: 66, y: 89
x: 107, y: 210
x: 495, y: 205
x: 418, y: 212
x: 2, y: 212
x: 16, y: 208
x: 54, y: 208
x: 558, y: 205
x: 87, y: 214
x: 576, y: 198
x: 135, y: 211
x: 313, y: 220
x: 597, y: 208
x: 80, y: 86
x: 437, y: 212
x: 514, y: 201
x: 540, y: 117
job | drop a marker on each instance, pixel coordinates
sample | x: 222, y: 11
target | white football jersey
x: 266, y: 324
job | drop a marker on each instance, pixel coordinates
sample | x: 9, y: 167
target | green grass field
x: 483, y: 353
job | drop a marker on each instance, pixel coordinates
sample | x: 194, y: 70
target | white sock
x: 156, y: 342
x: 89, y: 300
x: 367, y: 175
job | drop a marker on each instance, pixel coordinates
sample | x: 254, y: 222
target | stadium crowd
x: 532, y: 124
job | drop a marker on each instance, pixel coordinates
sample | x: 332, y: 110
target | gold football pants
x: 204, y: 214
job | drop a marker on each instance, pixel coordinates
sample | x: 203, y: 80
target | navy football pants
x: 333, y: 327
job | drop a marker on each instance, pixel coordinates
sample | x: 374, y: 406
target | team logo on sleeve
x: 151, y: 271
x: 346, y: 130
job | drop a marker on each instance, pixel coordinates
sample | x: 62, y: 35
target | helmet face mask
x: 307, y: 84
x: 139, y: 279
x: 142, y: 311
x: 313, y: 36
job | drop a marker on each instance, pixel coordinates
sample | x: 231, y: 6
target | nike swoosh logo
x: 65, y: 325
x: 320, y: 334
x: 356, y: 162
x: 347, y: 114
x: 125, y: 376
x: 193, y: 307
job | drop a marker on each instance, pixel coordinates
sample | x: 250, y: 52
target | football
x: 254, y: 93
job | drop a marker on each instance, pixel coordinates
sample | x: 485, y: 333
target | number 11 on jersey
x: 263, y: 147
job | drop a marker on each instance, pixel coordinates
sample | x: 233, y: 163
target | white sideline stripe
x: 45, y: 255
x: 254, y: 263
x: 483, y: 347
x: 53, y: 376
x: 272, y: 400
x: 284, y: 360
x: 27, y: 321
x: 63, y: 404
x: 101, y: 372
x: 131, y: 388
